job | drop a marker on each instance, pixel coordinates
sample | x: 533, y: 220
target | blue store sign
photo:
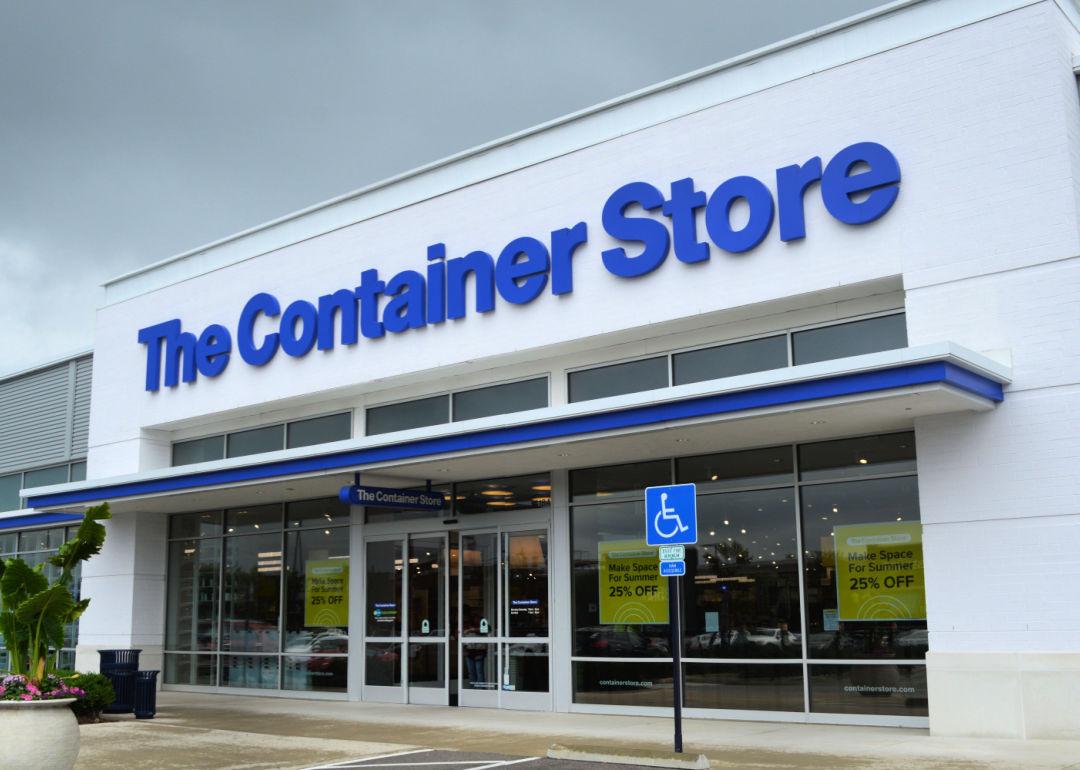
x: 858, y: 185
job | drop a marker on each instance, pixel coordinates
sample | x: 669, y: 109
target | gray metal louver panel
x: 80, y: 418
x: 34, y: 419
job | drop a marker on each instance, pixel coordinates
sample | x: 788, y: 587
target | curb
x: 639, y: 757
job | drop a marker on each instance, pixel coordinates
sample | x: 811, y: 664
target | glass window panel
x: 479, y: 586
x: 612, y: 482
x: 317, y: 591
x: 850, y: 339
x: 526, y: 556
x: 320, y: 430
x: 427, y: 665
x: 255, y: 441
x: 730, y: 360
x: 78, y: 471
x: 752, y: 687
x: 480, y: 662
x: 501, y: 399
x: 863, y: 456
x: 325, y: 512
x: 509, y: 494
x: 609, y: 552
x: 195, y: 524
x: 254, y: 518
x: 44, y: 477
x: 409, y: 414
x: 259, y: 672
x: 741, y: 590
x: 323, y: 674
x: 622, y: 684
x: 198, y: 450
x: 427, y: 586
x: 881, y: 502
x: 9, y: 542
x: 193, y: 594
x: 41, y: 539
x: 251, y: 596
x: 384, y: 570
x: 191, y: 669
x: 525, y: 667
x: 737, y: 469
x: 65, y: 660
x: 382, y: 664
x: 617, y: 379
x: 868, y: 689
x: 9, y: 492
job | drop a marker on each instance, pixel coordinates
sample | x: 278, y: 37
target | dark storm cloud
x: 131, y: 131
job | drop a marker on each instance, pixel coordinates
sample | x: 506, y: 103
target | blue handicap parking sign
x: 671, y: 515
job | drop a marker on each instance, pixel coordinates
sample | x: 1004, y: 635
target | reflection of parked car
x: 704, y: 645
x: 913, y: 639
x: 326, y: 642
x: 619, y: 641
x: 773, y: 637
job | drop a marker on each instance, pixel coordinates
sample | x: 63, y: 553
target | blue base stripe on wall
x: 936, y: 372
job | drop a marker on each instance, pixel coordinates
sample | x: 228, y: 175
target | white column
x: 562, y: 611
x: 126, y: 587
x: 357, y: 616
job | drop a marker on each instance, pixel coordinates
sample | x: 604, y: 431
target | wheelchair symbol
x: 667, y: 513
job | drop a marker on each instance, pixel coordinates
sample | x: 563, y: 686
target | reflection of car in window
x: 331, y: 641
x: 619, y: 641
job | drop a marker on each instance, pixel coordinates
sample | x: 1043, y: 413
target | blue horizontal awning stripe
x: 37, y: 519
x: 934, y: 372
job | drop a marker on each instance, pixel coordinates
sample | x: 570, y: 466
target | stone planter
x: 38, y: 735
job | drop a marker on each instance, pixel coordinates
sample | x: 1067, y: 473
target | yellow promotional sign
x: 326, y: 592
x: 631, y: 589
x: 879, y: 571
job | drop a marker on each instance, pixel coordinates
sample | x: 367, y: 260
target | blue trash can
x: 145, y: 694
x: 123, y: 683
x: 118, y: 660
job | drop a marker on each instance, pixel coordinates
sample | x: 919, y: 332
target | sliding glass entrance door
x: 504, y: 622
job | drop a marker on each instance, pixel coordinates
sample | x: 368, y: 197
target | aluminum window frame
x: 805, y: 661
x: 217, y: 655
x: 225, y: 435
x: 787, y: 332
x: 450, y: 393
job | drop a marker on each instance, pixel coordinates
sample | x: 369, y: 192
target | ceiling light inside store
x: 863, y: 461
x: 503, y: 503
x: 542, y: 488
x: 497, y: 493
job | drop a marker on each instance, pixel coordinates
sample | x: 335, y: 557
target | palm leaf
x: 86, y: 542
x: 20, y: 581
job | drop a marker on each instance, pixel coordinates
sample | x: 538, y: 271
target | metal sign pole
x: 676, y: 655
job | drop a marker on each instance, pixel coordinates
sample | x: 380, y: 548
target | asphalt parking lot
x: 437, y: 759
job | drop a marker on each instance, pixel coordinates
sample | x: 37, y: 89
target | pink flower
x: 26, y: 696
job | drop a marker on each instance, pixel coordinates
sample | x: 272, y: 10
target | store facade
x: 824, y: 283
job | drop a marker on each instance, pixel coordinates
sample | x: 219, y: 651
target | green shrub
x: 99, y: 694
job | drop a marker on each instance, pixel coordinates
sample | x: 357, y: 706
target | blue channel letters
x: 857, y: 186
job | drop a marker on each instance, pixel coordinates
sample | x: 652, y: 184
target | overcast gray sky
x: 132, y: 130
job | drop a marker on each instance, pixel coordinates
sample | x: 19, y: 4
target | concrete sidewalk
x: 245, y: 733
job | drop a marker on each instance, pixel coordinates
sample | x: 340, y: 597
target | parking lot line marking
x: 505, y: 763
x: 347, y: 762
x: 415, y: 764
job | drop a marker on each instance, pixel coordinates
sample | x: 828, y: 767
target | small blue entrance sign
x: 671, y: 515
x: 672, y: 568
